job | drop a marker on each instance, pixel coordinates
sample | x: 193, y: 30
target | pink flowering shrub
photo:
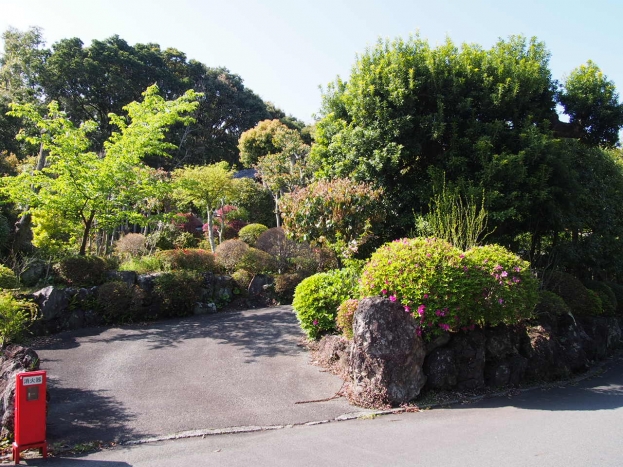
x: 448, y: 290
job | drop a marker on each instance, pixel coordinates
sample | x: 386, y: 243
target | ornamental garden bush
x: 82, y: 270
x: 190, y: 259
x: 447, y: 290
x: 250, y: 233
x: 8, y: 279
x: 606, y: 295
x: 345, y: 315
x: 578, y: 298
x: 316, y: 299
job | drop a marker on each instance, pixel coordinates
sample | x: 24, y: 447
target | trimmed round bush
x: 573, y: 292
x: 250, y: 233
x: 243, y: 278
x: 256, y: 261
x: 549, y: 302
x: 190, y: 259
x: 285, y: 284
x: 596, y: 306
x: 606, y: 295
x: 8, y: 279
x: 82, y: 270
x: 317, y: 298
x: 131, y: 245
x: 229, y: 253
x: 447, y: 290
x: 345, y: 315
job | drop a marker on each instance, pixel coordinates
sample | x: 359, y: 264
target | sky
x: 285, y: 50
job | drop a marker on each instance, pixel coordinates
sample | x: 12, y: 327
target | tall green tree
x: 82, y: 187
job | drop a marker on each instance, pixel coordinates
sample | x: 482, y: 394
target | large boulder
x: 469, y: 354
x: 52, y: 301
x: 386, y: 356
x: 14, y: 359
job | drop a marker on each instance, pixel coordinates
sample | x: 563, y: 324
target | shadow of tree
x: 260, y: 333
x: 79, y: 416
x: 73, y: 462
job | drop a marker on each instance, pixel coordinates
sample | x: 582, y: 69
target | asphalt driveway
x: 233, y: 369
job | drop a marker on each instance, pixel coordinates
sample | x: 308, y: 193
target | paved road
x: 209, y: 372
x: 575, y: 426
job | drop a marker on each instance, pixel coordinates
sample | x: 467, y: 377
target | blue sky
x: 284, y: 50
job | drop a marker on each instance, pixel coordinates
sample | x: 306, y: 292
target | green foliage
x: 257, y: 261
x: 185, y: 240
x: 617, y: 289
x: 345, y: 315
x: 190, y: 259
x: 549, y: 302
x: 316, y: 300
x: 339, y: 213
x: 606, y: 295
x: 143, y: 265
x: 15, y: 316
x: 250, y: 233
x: 578, y: 298
x: 455, y: 218
x: 243, y: 278
x: 447, y: 290
x: 230, y: 253
x: 177, y: 292
x: 5, y: 230
x: 118, y: 303
x: 82, y: 270
x: 8, y: 278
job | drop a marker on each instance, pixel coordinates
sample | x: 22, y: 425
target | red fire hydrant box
x: 30, y: 413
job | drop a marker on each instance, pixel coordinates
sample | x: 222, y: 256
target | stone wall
x: 548, y: 348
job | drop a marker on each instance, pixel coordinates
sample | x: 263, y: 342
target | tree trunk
x: 277, y: 216
x: 85, y: 235
x: 210, y: 232
x: 221, y: 223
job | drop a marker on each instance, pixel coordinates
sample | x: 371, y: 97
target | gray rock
x: 129, y: 277
x: 387, y: 354
x: 259, y: 283
x: 147, y: 281
x: 53, y: 302
x: 469, y: 354
x: 33, y: 273
x: 440, y: 369
x: 204, y: 308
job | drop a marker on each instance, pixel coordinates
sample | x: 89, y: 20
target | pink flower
x: 392, y: 298
x: 517, y: 269
x: 500, y: 301
x: 418, y: 331
x: 421, y: 309
x: 504, y: 274
x: 407, y: 309
x: 461, y: 256
x: 444, y: 326
x: 425, y: 295
x: 384, y: 292
x: 315, y: 322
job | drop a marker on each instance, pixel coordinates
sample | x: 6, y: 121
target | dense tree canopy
x: 487, y: 119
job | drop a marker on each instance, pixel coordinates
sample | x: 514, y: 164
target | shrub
x: 446, y: 290
x: 617, y: 289
x: 187, y: 222
x: 595, y: 307
x: 185, y: 240
x: 285, y: 284
x: 191, y: 259
x: 256, y: 261
x: 143, y: 265
x: 317, y: 298
x: 162, y: 238
x: 573, y: 292
x: 177, y: 292
x: 549, y: 302
x: 118, y: 302
x: 243, y: 278
x: 250, y: 233
x: 229, y: 253
x: 82, y: 270
x: 15, y: 316
x: 606, y: 295
x: 344, y: 318
x: 131, y: 245
x: 8, y: 279
x: 284, y: 250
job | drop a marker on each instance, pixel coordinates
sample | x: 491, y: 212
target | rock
x: 440, y: 369
x: 573, y: 342
x: 502, y: 341
x: 387, y: 354
x: 498, y: 373
x: 439, y: 341
x: 259, y: 284
x: 13, y: 359
x: 52, y: 302
x: 146, y: 282
x: 469, y: 354
x: 333, y: 352
x: 33, y: 273
x: 223, y: 289
x: 129, y: 277
x: 597, y: 329
x: 204, y: 308
x: 545, y: 362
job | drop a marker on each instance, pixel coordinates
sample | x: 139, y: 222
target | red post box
x: 30, y: 413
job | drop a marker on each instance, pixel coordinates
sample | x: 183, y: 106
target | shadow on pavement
x: 72, y: 462
x: 79, y: 415
x: 266, y: 334
x: 604, y: 392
